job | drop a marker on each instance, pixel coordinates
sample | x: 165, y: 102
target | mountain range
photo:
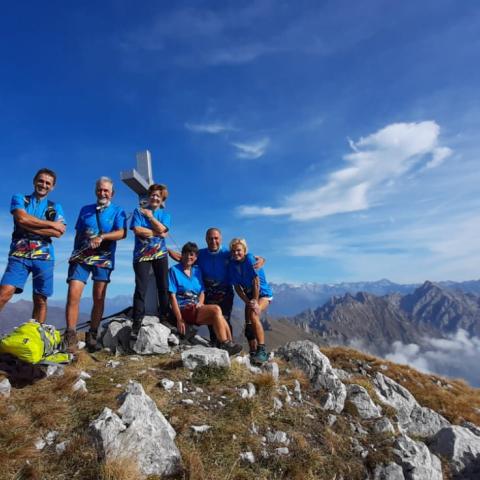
x: 430, y: 311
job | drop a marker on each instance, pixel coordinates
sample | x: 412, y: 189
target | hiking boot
x: 91, y: 341
x: 70, y: 340
x: 230, y: 347
x: 261, y: 356
x: 136, y: 325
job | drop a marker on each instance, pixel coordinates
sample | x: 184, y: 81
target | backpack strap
x: 48, y: 346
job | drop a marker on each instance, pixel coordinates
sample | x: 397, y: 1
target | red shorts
x: 189, y: 314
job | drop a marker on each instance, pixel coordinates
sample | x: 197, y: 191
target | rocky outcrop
x: 139, y: 431
x: 412, y: 418
x: 461, y: 448
x: 308, y: 357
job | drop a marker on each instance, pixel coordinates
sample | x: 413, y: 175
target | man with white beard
x: 98, y: 228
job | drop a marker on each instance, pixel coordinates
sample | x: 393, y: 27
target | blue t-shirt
x: 186, y: 289
x: 30, y: 245
x: 111, y: 218
x: 214, y: 267
x: 243, y: 273
x: 147, y: 249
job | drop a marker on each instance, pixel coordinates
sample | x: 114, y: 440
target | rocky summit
x: 170, y: 407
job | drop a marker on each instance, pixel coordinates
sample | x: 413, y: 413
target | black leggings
x: 142, y: 273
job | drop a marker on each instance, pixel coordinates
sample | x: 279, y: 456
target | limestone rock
x: 200, y: 428
x: 277, y: 437
x: 199, y: 356
x: 5, y: 388
x: 247, y: 457
x: 308, y: 357
x: 391, y: 471
x: 80, y: 386
x: 152, y: 338
x: 383, y: 425
x: 272, y: 369
x: 412, y: 418
x: 416, y: 460
x: 358, y: 396
x: 116, y: 335
x: 55, y: 371
x: 140, y: 431
x: 461, y: 447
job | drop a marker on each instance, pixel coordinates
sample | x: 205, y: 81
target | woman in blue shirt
x: 150, y: 225
x: 187, y: 296
x: 252, y: 287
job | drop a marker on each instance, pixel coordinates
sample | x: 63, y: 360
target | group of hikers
x: 198, y: 290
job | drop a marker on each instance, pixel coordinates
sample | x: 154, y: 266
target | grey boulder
x: 116, y: 335
x: 359, y: 397
x: 152, y: 337
x: 461, y: 448
x: 139, y: 431
x: 412, y: 418
x: 199, y: 356
x: 306, y: 356
x: 416, y: 460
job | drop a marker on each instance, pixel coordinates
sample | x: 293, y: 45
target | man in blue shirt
x: 36, y: 220
x: 98, y: 228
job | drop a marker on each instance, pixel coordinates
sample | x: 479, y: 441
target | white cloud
x: 376, y: 160
x: 454, y: 356
x: 213, y: 128
x: 251, y: 150
x: 439, y: 156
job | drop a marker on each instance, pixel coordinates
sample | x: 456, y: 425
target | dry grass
x: 122, y: 468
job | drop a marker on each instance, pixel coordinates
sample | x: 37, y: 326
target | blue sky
x: 339, y: 137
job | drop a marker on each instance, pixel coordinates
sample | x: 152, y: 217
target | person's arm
x: 177, y: 256
x: 37, y: 225
x: 201, y: 300
x: 259, y: 262
x: 113, y: 236
x: 157, y: 227
x: 143, y: 232
x: 255, y: 289
x: 177, y: 314
x: 241, y: 294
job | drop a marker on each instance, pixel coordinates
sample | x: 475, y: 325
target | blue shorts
x: 17, y: 272
x: 80, y: 271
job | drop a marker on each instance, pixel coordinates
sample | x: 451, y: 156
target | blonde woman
x: 252, y: 287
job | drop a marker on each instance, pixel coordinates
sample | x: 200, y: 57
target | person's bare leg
x: 6, y: 293
x: 39, y: 312
x: 255, y: 319
x: 98, y: 294
x: 75, y: 290
x: 212, y: 315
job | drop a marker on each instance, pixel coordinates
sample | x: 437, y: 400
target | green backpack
x: 35, y: 343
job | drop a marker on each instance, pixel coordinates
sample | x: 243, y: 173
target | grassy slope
x: 317, y: 450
